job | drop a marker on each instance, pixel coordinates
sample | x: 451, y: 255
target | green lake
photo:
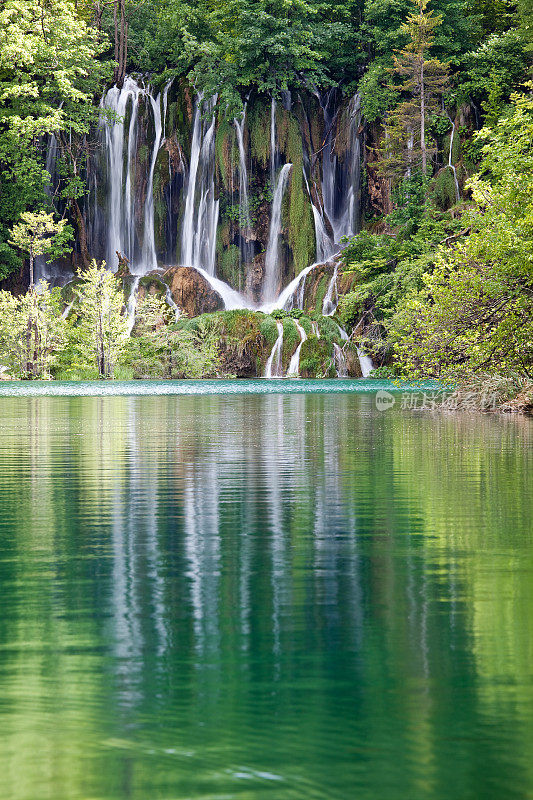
x: 284, y: 594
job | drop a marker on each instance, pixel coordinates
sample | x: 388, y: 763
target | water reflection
x: 296, y: 595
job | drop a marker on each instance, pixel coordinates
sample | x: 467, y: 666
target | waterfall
x: 341, y: 181
x: 127, y: 224
x: 331, y: 298
x: 198, y: 243
x: 273, y: 368
x: 231, y: 298
x: 284, y: 298
x: 272, y: 271
x: 294, y: 366
x: 122, y: 213
x: 452, y: 165
x: 244, y: 206
x: 121, y: 216
x: 365, y: 362
x: 187, y: 241
x: 149, y: 257
x: 340, y: 361
x: 131, y: 307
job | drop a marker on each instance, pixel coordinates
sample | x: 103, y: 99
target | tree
x: 50, y: 71
x: 39, y: 234
x: 32, y: 332
x: 99, y: 330
x: 159, y: 350
x: 423, y: 81
x: 475, y: 312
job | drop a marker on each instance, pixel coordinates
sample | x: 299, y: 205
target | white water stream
x: 294, y: 366
x: 272, y: 265
x: 273, y: 368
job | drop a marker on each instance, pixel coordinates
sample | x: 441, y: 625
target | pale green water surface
x: 280, y: 595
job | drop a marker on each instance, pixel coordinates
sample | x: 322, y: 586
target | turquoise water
x: 202, y: 387
x: 282, y: 595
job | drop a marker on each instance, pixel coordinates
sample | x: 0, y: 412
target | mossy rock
x: 244, y: 340
x: 316, y: 358
x: 291, y: 340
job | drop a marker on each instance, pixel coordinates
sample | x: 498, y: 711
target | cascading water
x: 122, y: 236
x: 273, y: 368
x: 246, y: 251
x: 244, y: 205
x: 340, y: 361
x: 149, y: 257
x: 190, y: 187
x: 272, y: 271
x: 331, y: 298
x: 294, y: 366
x: 341, y: 181
x: 198, y: 243
x: 451, y: 164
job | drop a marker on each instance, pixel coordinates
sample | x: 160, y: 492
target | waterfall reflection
x: 200, y: 588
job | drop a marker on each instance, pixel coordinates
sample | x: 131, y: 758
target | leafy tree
x: 32, y: 332
x: 39, y: 234
x: 49, y: 73
x: 159, y: 350
x: 475, y: 312
x: 98, y: 332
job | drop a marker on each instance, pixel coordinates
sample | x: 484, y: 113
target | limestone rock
x: 191, y: 291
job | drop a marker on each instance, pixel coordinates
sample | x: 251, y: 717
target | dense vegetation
x: 444, y: 273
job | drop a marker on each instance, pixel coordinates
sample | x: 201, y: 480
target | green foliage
x: 474, y: 312
x: 49, y: 72
x: 39, y: 234
x: 98, y: 331
x: 32, y: 332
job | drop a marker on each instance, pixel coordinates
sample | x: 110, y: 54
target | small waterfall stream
x: 198, y: 242
x: 149, y: 257
x: 272, y: 271
x: 451, y: 164
x: 341, y: 207
x: 273, y: 367
x: 294, y: 366
x: 340, y: 361
x: 331, y: 298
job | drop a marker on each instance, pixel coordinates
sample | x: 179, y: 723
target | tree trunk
x: 115, y: 22
x: 423, y: 116
x: 31, y: 268
x: 82, y: 234
x: 122, y: 57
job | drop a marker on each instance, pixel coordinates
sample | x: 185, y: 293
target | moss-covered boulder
x: 316, y: 359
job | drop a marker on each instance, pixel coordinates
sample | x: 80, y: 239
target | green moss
x: 269, y: 330
x: 259, y: 127
x: 316, y: 358
x: 291, y: 340
x: 230, y: 268
x: 305, y: 322
x: 300, y: 223
x: 329, y: 330
x: 321, y: 291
